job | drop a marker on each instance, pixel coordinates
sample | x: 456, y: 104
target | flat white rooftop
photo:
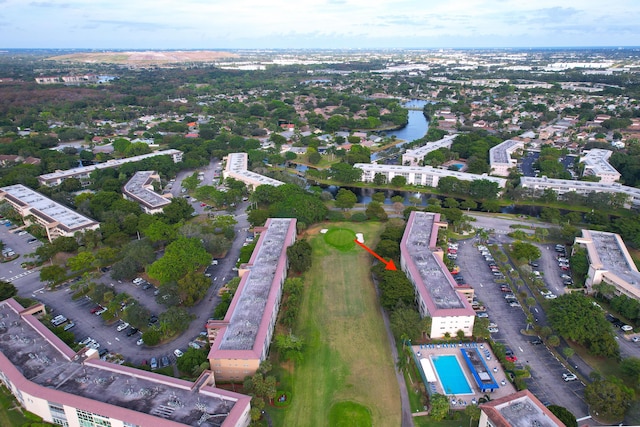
x: 248, y: 313
x: 136, y: 188
x: 50, y: 210
x: 596, y: 160
x: 237, y: 164
x: 501, y: 153
x: 108, y: 164
x: 431, y: 146
x: 372, y: 167
x: 613, y: 256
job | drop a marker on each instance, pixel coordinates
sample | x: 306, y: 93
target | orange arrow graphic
x: 389, y: 264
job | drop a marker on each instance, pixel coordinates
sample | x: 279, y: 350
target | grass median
x: 347, y: 375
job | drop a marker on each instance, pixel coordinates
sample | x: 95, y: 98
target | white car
x: 551, y: 296
x: 122, y: 326
x: 569, y: 377
x: 515, y: 304
x: 494, y: 330
x: 195, y: 345
x: 627, y: 328
x: 177, y: 352
x: 140, y: 342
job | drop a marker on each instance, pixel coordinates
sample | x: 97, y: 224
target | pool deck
x: 459, y: 402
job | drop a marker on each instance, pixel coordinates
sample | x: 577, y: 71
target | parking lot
x: 546, y: 381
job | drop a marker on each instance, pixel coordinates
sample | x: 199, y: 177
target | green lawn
x: 11, y: 413
x: 347, y: 374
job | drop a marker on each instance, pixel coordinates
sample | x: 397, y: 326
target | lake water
x: 416, y: 127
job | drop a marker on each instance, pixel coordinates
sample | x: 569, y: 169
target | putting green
x: 349, y: 414
x: 340, y: 238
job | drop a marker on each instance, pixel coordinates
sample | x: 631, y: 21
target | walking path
x: 407, y: 416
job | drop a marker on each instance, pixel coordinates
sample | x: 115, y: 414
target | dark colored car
x: 537, y: 341
x: 164, y: 361
x: 132, y: 331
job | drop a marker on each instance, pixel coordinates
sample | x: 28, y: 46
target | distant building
x: 237, y: 169
x: 596, y: 164
x: 56, y: 219
x: 420, y: 175
x: 610, y: 263
x: 241, y: 341
x: 83, y: 173
x: 500, y: 160
x: 79, y: 390
x: 139, y: 189
x: 521, y: 409
x: 435, y: 288
x: 583, y: 188
x: 416, y: 156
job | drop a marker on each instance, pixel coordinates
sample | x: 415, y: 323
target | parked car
x: 132, y: 331
x: 482, y: 314
x: 194, y: 345
x: 164, y: 361
x: 178, y: 353
x: 537, y: 341
x: 122, y: 326
x: 627, y: 328
x: 154, y: 363
x: 140, y: 342
x: 493, y: 330
x: 569, y: 377
x: 69, y: 326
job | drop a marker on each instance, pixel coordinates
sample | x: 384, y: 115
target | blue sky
x: 242, y: 24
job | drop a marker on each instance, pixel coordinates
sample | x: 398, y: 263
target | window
x: 60, y: 421
x: 87, y: 419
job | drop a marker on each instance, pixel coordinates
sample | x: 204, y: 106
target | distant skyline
x: 247, y: 24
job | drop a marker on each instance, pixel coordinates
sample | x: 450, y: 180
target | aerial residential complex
x: 241, y: 341
x: 435, y: 288
x: 140, y: 190
x: 83, y: 173
x: 420, y: 175
x: 610, y: 263
x: 583, y: 188
x: 56, y: 219
x: 237, y: 168
x: 415, y: 156
x: 78, y: 389
x: 521, y: 409
x: 500, y: 160
x: 596, y: 164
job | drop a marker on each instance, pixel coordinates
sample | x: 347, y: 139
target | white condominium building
x: 596, y: 164
x: 237, y: 168
x: 420, y: 175
x: 610, y: 262
x: 56, y: 219
x: 415, y: 156
x: 563, y: 186
x: 435, y: 288
x: 500, y: 159
x: 83, y: 173
x: 139, y: 189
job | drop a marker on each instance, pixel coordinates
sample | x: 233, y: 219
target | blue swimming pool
x: 450, y: 375
x: 458, y: 166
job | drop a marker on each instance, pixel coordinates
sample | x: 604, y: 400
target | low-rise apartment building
x: 56, y: 219
x: 500, y: 160
x: 521, y: 409
x: 596, y: 164
x: 631, y: 195
x: 435, y: 288
x: 420, y: 175
x: 139, y: 189
x: 415, y: 156
x: 78, y: 389
x: 236, y: 168
x: 241, y: 340
x: 83, y: 173
x: 610, y: 263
